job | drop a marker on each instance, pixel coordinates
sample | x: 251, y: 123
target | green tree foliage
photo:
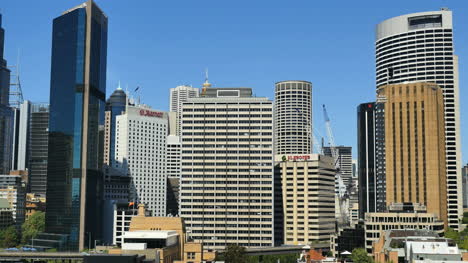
x: 235, y: 254
x: 9, y: 237
x: 283, y: 258
x: 34, y: 225
x: 359, y: 255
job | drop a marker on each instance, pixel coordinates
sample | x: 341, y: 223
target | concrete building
x: 399, y: 219
x: 415, y: 146
x: 77, y: 100
x: 13, y: 189
x: 419, y: 48
x: 465, y: 186
x: 371, y: 158
x: 163, y: 239
x: 6, y: 214
x: 308, y: 199
x: 293, y: 117
x: 174, y: 172
x: 140, y: 153
x: 115, y: 106
x: 416, y: 246
x: 39, y: 140
x: 179, y: 95
x: 123, y: 214
x: 227, y: 168
x: 345, y: 159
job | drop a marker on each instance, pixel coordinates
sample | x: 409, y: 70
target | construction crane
x: 341, y: 194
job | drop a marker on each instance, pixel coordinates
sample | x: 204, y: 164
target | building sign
x: 151, y: 113
x: 295, y: 158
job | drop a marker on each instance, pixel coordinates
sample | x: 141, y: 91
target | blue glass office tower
x: 6, y: 113
x: 77, y: 103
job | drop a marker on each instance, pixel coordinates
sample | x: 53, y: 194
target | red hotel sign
x: 151, y: 113
x: 298, y: 157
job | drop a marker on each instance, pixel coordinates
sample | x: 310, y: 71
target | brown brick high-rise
x: 415, y: 146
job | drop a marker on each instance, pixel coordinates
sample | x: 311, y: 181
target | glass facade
x: 77, y: 100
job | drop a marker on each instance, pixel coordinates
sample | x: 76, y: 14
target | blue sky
x: 158, y: 45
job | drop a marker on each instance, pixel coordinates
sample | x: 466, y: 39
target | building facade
x: 371, y: 158
x: 13, y: 189
x: 140, y: 153
x: 227, y: 168
x: 308, y: 198
x: 293, y: 117
x: 39, y: 139
x: 77, y: 101
x: 115, y: 106
x: 174, y: 172
x: 419, y: 48
x: 345, y: 159
x: 414, y: 145
x: 178, y: 96
x: 6, y: 113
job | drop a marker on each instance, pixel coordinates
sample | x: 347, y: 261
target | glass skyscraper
x: 77, y: 103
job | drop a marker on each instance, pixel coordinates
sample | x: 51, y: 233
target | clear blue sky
x: 161, y: 44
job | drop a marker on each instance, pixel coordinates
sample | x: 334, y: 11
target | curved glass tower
x: 419, y: 48
x: 293, y: 117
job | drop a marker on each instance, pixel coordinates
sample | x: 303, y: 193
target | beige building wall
x: 308, y: 190
x: 415, y: 146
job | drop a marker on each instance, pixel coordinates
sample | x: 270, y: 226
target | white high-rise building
x: 140, y: 153
x: 226, y: 194
x: 419, y: 48
x: 293, y: 117
x: 179, y: 95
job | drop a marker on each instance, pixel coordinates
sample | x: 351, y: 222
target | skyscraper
x: 227, y: 167
x: 140, y: 152
x: 293, y: 117
x: 115, y: 106
x: 415, y: 168
x: 179, y: 95
x: 39, y: 139
x: 419, y: 47
x: 6, y: 113
x: 77, y: 101
x: 371, y: 158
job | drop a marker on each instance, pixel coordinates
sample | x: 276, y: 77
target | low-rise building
x: 12, y: 188
x: 34, y: 203
x: 6, y: 214
x: 378, y: 223
x: 415, y: 246
x: 163, y: 239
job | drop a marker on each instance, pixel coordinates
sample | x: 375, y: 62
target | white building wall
x: 140, y: 152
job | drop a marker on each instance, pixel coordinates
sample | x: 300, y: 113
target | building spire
x: 118, y: 86
x: 206, y: 84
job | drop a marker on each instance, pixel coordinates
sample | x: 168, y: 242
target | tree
x: 9, y: 237
x: 359, y: 255
x: 34, y: 225
x: 235, y: 254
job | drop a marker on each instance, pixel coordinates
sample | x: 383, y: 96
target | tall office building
x: 38, y: 145
x: 308, y: 183
x: 77, y: 101
x: 179, y: 95
x: 371, y: 158
x: 293, y: 117
x: 226, y: 185
x: 419, y: 47
x: 174, y: 172
x: 115, y: 106
x: 6, y: 113
x: 12, y: 188
x: 140, y: 152
x: 465, y: 186
x: 414, y: 146
x: 345, y: 159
